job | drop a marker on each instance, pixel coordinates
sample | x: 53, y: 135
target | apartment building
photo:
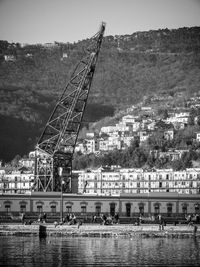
x: 117, y: 181
x: 16, y: 181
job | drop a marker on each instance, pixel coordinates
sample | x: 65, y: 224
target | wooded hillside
x: 129, y: 67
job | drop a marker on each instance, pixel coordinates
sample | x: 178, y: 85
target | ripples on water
x: 56, y: 251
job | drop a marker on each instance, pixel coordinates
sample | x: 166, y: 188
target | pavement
x: 96, y: 230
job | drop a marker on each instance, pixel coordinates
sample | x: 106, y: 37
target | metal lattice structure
x: 56, y: 145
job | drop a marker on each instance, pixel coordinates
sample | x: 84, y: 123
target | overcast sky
x: 42, y: 21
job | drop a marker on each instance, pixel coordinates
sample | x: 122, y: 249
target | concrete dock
x: 96, y: 230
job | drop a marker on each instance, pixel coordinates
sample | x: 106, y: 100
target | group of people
x: 23, y: 219
x: 108, y: 220
x: 70, y: 219
x: 42, y: 218
x: 191, y: 219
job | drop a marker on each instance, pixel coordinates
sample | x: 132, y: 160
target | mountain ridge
x: 129, y: 68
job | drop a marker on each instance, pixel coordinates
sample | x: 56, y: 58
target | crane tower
x: 55, y: 147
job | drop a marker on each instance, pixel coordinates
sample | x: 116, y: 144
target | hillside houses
x: 140, y: 126
x: 140, y: 123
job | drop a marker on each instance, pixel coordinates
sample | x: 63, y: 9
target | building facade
x: 131, y: 181
x: 126, y: 205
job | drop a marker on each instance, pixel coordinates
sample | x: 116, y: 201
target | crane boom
x: 55, y: 147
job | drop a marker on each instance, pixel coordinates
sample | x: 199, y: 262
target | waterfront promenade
x: 96, y: 230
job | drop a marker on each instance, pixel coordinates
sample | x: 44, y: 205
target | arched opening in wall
x: 128, y: 209
x: 53, y: 209
x: 53, y: 205
x: 83, y: 208
x: 112, y: 209
x: 141, y: 208
x: 23, y: 205
x: 98, y: 208
x: 196, y: 208
x: 39, y: 206
x: 169, y: 209
x: 184, y: 209
x: 7, y: 206
x: 156, y: 208
x: 68, y: 207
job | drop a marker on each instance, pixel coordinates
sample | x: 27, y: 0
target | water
x: 57, y: 251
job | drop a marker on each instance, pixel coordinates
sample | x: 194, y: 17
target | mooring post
x: 42, y: 231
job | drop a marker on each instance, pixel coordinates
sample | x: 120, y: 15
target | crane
x: 56, y: 145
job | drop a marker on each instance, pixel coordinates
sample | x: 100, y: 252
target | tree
x: 15, y: 161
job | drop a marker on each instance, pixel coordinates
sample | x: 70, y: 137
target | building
x: 84, y: 205
x: 131, y: 181
x: 198, y: 137
x: 16, y: 182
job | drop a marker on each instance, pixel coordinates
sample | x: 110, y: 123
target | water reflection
x: 54, y: 251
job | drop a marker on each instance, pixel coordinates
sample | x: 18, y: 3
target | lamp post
x: 60, y: 170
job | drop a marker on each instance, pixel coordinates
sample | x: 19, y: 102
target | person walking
x: 23, y: 218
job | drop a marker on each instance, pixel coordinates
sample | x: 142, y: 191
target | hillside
x: 129, y: 68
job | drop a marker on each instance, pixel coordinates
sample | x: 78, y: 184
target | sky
x: 47, y: 21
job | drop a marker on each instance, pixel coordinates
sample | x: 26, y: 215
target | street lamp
x: 60, y: 170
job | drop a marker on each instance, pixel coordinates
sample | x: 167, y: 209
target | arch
x: 7, y: 202
x: 23, y: 202
x: 141, y: 204
x: 53, y: 203
x: 184, y: 204
x: 84, y: 203
x: 157, y: 204
x: 69, y: 203
x: 98, y: 204
x: 169, y: 204
x: 39, y: 203
x: 128, y: 203
x: 128, y: 209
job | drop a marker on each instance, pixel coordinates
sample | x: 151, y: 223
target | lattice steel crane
x: 56, y: 145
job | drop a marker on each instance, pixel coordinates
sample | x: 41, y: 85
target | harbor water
x: 85, y: 251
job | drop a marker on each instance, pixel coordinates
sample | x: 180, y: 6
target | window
x: 83, y: 209
x: 196, y: 208
x: 128, y: 209
x: 22, y: 208
x: 156, y: 209
x: 68, y: 209
x: 98, y: 210
x: 39, y: 208
x: 7, y: 208
x: 169, y: 210
x: 184, y: 209
x: 160, y: 184
x: 53, y: 208
x: 112, y: 209
x: 141, y: 209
